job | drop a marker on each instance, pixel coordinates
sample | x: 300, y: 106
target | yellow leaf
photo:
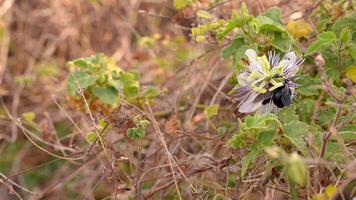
x: 200, y: 38
x: 299, y: 28
x: 330, y: 190
x: 351, y: 73
x: 29, y: 116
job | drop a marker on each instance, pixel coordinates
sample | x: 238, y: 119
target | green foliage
x: 324, y: 39
x: 296, y: 132
x: 107, y: 95
x: 211, y: 111
x: 248, y: 32
x: 91, y: 137
x: 140, y: 130
x: 309, y: 86
x: 100, y: 79
x: 136, y: 133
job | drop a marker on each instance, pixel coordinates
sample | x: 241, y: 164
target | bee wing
x: 267, y: 108
x: 249, y: 105
x: 248, y: 100
x: 286, y: 96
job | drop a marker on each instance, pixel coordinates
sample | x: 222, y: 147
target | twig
x: 164, y: 144
x: 332, y: 130
x: 319, y: 61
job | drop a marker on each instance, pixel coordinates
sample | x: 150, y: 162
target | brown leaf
x: 171, y: 125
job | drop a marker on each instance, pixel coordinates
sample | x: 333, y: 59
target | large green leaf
x: 305, y: 109
x: 281, y: 41
x: 79, y: 79
x: 231, y: 49
x: 324, y: 39
x: 131, y: 84
x: 259, y: 121
x: 249, y: 158
x: 288, y: 114
x: 296, y: 132
x: 211, y: 110
x: 348, y: 133
x: 269, y: 25
x: 107, y: 95
x: 274, y: 13
x: 265, y: 138
x: 230, y: 26
x: 348, y: 21
x: 308, y: 86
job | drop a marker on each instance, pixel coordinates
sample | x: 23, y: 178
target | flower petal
x: 251, y: 54
x: 242, y: 78
x: 254, y: 64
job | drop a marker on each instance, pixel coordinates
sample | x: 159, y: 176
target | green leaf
x: 268, y: 25
x: 143, y: 123
x: 240, y: 52
x: 249, y: 158
x: 78, y: 80
x: 296, y: 132
x: 336, y: 152
x: 103, y: 123
x: 135, y: 133
x: 107, y: 95
x: 305, y: 109
x: 326, y: 116
x: 259, y: 121
x: 293, y: 189
x: 308, y: 86
x: 237, y: 141
x: 151, y: 92
x: 204, y: 14
x: 231, y: 49
x: 29, y: 116
x: 91, y: 137
x: 211, y: 110
x: 265, y: 138
x: 288, y: 114
x: 234, y: 22
x: 349, y: 132
x: 281, y: 41
x: 349, y: 20
x: 351, y: 49
x: 323, y: 22
x: 131, y: 84
x: 274, y: 13
x: 324, y: 39
x: 345, y: 35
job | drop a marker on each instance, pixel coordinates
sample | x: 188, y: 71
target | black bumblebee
x: 281, y: 97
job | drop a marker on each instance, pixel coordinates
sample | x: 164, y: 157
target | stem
x: 328, y: 134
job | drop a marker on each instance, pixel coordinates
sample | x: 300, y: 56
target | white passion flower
x: 267, y: 84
